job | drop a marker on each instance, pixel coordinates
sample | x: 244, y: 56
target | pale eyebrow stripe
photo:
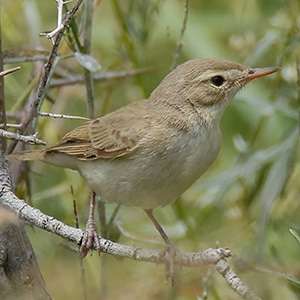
x: 204, y: 76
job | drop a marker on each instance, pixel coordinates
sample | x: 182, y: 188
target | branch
x: 88, y: 20
x: 20, y: 274
x: 61, y: 116
x: 8, y: 71
x: 104, y: 76
x: 11, y: 56
x: 29, y: 139
x: 2, y: 99
x: 34, y: 216
x: 60, y: 26
x: 180, y: 41
x: 234, y: 281
x: 47, y: 69
x: 10, y: 125
x: 216, y: 257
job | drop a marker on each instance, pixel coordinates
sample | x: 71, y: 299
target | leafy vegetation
x: 247, y: 201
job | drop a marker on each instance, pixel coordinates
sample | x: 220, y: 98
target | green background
x: 247, y: 201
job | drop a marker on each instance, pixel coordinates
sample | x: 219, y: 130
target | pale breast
x: 155, y: 175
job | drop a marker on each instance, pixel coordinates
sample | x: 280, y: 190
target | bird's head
x: 207, y: 83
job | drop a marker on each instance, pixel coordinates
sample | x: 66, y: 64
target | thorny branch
x: 47, y: 69
x: 60, y: 26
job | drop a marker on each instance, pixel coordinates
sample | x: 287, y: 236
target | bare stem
x: 29, y: 139
x: 61, y: 116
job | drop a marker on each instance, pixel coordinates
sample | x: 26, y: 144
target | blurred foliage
x: 247, y: 201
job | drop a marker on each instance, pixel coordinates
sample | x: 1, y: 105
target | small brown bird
x: 148, y: 153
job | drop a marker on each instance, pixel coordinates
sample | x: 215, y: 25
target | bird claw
x: 90, y: 237
x: 170, y: 253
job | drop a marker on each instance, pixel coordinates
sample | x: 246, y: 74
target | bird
x: 146, y: 154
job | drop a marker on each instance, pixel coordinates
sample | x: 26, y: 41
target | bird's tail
x: 27, y: 155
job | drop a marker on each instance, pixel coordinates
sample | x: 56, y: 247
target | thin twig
x: 60, y: 25
x: 90, y: 93
x: 82, y: 269
x: 133, y: 237
x: 29, y: 139
x: 8, y: 71
x: 47, y: 69
x: 87, y: 48
x: 61, y: 116
x: 10, y: 125
x: 126, y: 32
x: 298, y: 90
x: 104, y: 76
x: 180, y: 41
x: 24, y: 55
x: 2, y: 98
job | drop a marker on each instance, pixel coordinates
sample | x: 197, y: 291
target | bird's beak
x: 258, y: 72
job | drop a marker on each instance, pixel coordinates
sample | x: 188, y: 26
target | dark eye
x: 217, y: 80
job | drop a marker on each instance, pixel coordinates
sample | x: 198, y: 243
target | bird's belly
x: 150, y: 179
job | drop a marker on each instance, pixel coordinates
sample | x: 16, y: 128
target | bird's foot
x: 90, y: 237
x: 170, y: 252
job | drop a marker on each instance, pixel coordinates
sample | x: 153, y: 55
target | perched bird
x: 148, y: 153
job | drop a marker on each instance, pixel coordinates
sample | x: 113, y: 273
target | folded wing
x: 116, y: 134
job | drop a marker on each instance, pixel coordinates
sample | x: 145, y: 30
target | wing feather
x: 116, y: 134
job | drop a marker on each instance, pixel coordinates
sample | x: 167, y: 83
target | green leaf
x: 87, y: 61
x: 291, y: 278
x: 295, y: 234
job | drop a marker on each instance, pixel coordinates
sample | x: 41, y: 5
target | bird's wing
x: 113, y: 135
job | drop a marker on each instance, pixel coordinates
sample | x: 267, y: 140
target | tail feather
x: 27, y: 155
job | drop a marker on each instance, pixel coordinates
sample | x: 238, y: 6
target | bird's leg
x: 90, y: 235
x: 170, y: 249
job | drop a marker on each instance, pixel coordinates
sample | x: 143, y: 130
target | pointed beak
x: 258, y: 72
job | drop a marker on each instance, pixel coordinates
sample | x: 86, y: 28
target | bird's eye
x: 217, y: 80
